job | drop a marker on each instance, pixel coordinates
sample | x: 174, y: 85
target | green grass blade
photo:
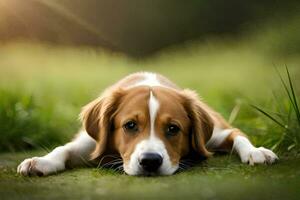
x: 279, y: 105
x: 269, y: 116
x: 293, y: 95
x: 286, y: 89
x: 289, y: 114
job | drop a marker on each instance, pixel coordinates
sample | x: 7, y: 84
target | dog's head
x: 151, y: 128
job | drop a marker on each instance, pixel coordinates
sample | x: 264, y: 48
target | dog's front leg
x: 74, y: 153
x: 234, y: 139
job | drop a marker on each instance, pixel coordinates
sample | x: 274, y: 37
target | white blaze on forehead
x: 153, y: 108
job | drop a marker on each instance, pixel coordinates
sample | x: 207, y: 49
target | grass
x: 287, y: 117
x: 222, y: 177
x: 43, y: 87
x: 26, y: 124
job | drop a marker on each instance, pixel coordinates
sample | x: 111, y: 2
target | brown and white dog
x: 151, y: 124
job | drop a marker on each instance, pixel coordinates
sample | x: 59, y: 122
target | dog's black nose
x: 150, y: 162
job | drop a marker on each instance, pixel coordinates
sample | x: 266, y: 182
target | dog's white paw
x: 252, y: 155
x: 39, y: 166
x: 259, y: 155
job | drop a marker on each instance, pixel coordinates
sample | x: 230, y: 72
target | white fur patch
x: 150, y: 79
x: 153, y: 144
x: 218, y: 137
x: 250, y: 154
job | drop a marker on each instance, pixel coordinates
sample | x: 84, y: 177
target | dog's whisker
x: 188, y: 161
x: 112, y: 163
x: 117, y: 157
x: 120, y: 168
x: 184, y: 164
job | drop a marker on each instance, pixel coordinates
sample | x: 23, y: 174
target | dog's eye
x: 172, y: 130
x: 130, y: 126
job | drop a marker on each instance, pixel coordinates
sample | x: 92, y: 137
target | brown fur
x: 96, y: 118
x: 202, y: 123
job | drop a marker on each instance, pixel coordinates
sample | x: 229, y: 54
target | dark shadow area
x: 135, y: 27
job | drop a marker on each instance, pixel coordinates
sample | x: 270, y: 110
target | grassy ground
x: 222, y: 177
x: 43, y: 87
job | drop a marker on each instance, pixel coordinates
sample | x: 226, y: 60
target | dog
x: 151, y: 124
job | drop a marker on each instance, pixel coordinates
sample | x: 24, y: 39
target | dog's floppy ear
x: 97, y: 119
x: 201, y: 123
